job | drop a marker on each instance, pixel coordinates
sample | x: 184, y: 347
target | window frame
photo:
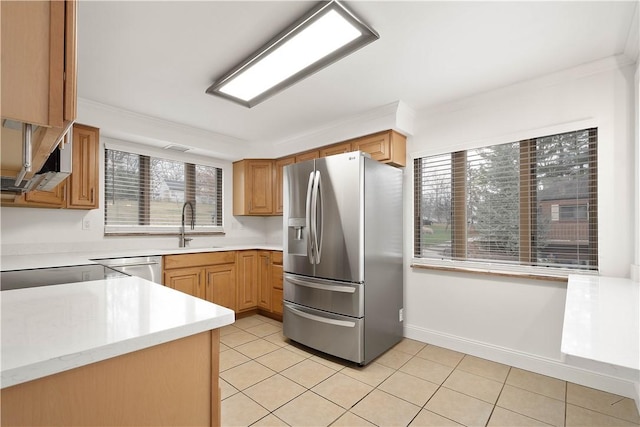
x: 190, y: 163
x: 525, y: 267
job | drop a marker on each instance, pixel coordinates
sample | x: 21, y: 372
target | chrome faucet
x: 184, y: 240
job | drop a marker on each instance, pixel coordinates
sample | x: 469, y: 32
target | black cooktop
x: 18, y: 279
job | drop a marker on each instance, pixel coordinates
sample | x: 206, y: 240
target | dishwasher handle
x: 131, y: 265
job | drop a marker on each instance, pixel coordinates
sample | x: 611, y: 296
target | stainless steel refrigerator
x: 343, y: 274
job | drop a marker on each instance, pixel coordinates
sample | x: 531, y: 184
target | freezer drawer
x: 330, y: 333
x: 328, y: 295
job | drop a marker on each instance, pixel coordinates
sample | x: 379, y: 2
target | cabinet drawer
x: 199, y: 259
x: 276, y: 301
x: 276, y: 276
x: 276, y: 257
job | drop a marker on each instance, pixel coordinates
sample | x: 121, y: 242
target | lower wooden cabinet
x: 220, y: 286
x: 264, y: 280
x: 206, y: 275
x: 276, y: 283
x: 247, y: 289
x: 238, y: 280
x: 170, y: 384
x: 187, y: 280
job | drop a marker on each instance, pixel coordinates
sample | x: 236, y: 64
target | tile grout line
x: 394, y: 370
x: 504, y: 383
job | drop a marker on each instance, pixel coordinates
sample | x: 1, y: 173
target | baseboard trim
x: 545, y: 366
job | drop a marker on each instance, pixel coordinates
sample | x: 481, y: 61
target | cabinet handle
x: 92, y: 195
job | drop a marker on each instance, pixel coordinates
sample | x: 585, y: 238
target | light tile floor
x: 266, y: 380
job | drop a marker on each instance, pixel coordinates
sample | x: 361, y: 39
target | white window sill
x: 524, y: 272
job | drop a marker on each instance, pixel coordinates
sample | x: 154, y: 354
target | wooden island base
x: 171, y: 384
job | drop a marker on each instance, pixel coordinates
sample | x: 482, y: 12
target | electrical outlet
x: 401, y: 315
x: 86, y: 224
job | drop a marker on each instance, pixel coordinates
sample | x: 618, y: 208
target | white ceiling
x: 157, y: 57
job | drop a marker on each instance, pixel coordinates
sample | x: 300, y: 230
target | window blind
x: 531, y: 202
x: 144, y: 194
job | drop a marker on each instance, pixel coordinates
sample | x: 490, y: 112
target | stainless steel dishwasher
x: 148, y: 267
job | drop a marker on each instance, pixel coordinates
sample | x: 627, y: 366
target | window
x: 531, y: 202
x: 146, y: 194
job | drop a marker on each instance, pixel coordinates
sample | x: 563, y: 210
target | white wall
x: 519, y: 321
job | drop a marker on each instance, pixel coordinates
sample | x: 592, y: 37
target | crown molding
x: 632, y: 46
x: 571, y: 74
x: 396, y: 115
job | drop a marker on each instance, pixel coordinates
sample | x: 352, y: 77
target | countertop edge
x: 46, y: 260
x: 66, y: 360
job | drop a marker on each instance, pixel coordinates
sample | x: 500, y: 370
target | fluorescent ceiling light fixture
x: 324, y: 35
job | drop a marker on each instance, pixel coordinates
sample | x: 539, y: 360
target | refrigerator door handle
x: 315, y: 318
x: 317, y: 220
x: 320, y: 286
x: 310, y: 227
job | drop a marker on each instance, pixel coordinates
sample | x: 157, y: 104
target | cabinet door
x: 264, y: 280
x: 55, y: 198
x: 84, y: 180
x: 276, y: 306
x: 276, y: 282
x: 260, y: 187
x: 187, y: 280
x: 344, y: 147
x: 221, y: 285
x: 253, y: 187
x: 277, y: 184
x: 387, y: 147
x: 33, y: 61
x: 302, y: 157
x: 247, y: 284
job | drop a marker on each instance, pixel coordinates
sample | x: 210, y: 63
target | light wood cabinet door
x: 84, y: 179
x: 264, y: 280
x: 344, y: 147
x: 277, y: 182
x: 253, y: 187
x: 247, y: 283
x: 276, y: 282
x: 38, y: 77
x: 220, y: 285
x: 39, y: 61
x: 187, y: 280
x: 309, y: 155
x: 386, y: 147
x: 55, y: 198
x: 277, y: 305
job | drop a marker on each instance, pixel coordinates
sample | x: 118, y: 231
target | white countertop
x: 50, y: 329
x: 602, y: 320
x: 22, y: 262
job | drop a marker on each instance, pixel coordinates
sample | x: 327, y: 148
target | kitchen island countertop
x: 51, y: 329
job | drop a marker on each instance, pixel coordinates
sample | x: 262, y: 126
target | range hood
x: 55, y: 169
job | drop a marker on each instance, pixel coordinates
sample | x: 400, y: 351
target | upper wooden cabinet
x: 85, y: 178
x: 386, y: 147
x: 343, y: 147
x: 38, y: 76
x: 81, y: 189
x: 308, y: 155
x: 257, y: 183
x: 253, y: 187
x: 277, y: 182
